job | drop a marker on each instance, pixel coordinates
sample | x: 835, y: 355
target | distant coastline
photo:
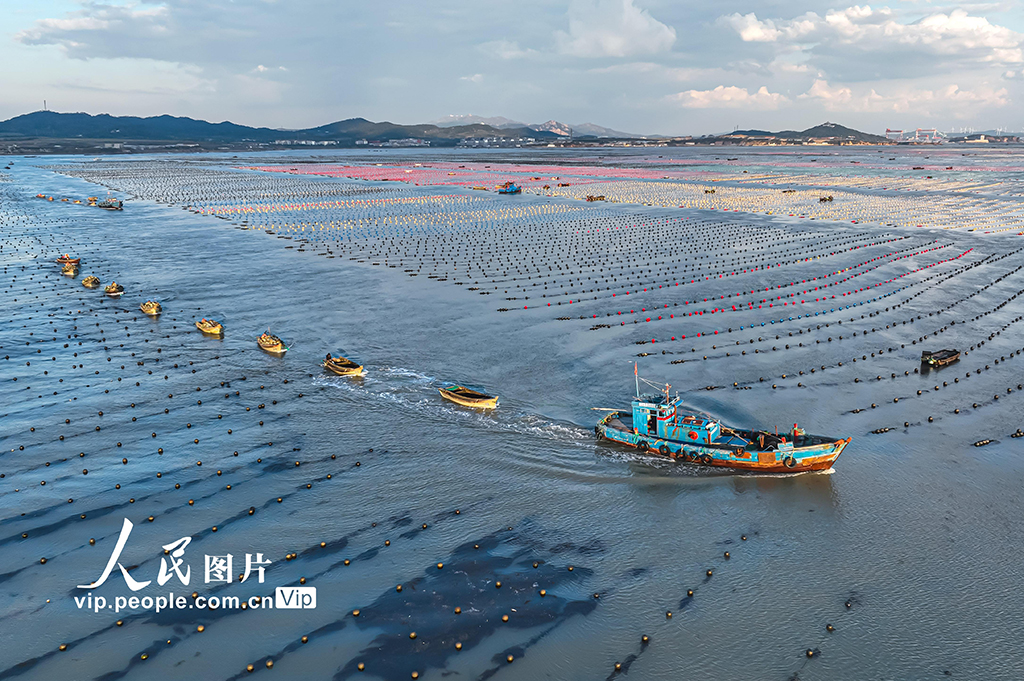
x: 49, y: 132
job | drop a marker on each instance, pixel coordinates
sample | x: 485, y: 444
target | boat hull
x: 793, y: 459
x: 341, y: 370
x: 216, y: 330
x: 939, y: 359
x: 271, y: 344
x: 478, y: 403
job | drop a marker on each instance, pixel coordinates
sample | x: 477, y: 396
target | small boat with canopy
x: 939, y: 358
x: 210, y: 327
x: 510, y: 188
x: 268, y: 342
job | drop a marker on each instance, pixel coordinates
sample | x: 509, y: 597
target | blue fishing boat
x: 510, y: 188
x: 658, y: 425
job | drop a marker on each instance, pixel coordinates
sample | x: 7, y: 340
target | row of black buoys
x: 450, y: 244
x: 630, y: 222
x: 941, y: 329
x: 100, y: 344
x: 894, y: 306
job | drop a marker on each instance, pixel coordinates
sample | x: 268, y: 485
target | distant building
x: 407, y: 142
x: 306, y: 143
x: 496, y: 142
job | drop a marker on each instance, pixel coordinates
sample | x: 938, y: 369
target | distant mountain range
x: 562, y: 129
x: 66, y: 131
x: 50, y: 124
x: 825, y: 130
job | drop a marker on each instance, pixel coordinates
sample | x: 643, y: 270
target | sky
x: 644, y: 66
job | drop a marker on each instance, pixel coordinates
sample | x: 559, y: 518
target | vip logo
x: 295, y: 597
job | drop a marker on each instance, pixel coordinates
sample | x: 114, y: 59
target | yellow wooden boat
x: 91, y: 282
x: 69, y: 270
x: 468, y: 398
x: 268, y: 342
x: 210, y: 327
x: 342, y: 366
x: 151, y: 307
x: 114, y: 289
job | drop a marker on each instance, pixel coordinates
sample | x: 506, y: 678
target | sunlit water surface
x: 910, y: 548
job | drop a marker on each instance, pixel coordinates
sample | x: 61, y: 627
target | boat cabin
x: 660, y: 419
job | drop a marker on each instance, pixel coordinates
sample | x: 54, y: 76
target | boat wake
x: 418, y: 392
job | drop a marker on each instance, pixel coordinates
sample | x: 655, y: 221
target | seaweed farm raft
x: 183, y: 498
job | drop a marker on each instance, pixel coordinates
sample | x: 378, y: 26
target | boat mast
x: 636, y: 375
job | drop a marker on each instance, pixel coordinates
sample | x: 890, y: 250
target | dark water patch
x: 483, y: 586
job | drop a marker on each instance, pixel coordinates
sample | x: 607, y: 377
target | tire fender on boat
x: 706, y: 459
x: 642, y: 445
x: 664, y: 449
x: 789, y: 461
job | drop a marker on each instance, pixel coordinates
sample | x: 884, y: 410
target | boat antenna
x: 636, y: 375
x: 667, y: 400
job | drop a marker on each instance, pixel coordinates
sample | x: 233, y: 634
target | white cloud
x: 80, y: 23
x: 782, y: 66
x: 858, y: 35
x: 506, y: 49
x: 612, y: 60
x: 656, y: 73
x: 730, y: 97
x: 948, y: 100
x: 613, y: 28
x: 831, y: 97
x: 751, y: 29
x: 92, y: 19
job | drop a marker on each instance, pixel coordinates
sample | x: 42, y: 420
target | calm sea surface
x: 911, y: 548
